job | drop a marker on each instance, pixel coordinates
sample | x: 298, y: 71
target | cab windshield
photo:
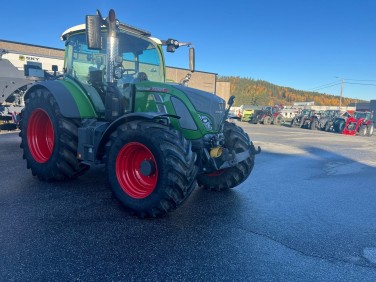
x: 359, y: 115
x: 141, y: 58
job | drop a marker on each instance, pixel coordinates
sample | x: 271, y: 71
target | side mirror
x: 55, y: 69
x: 231, y: 100
x: 93, y: 32
x: 192, y: 59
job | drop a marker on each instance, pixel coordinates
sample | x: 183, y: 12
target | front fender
x: 122, y: 120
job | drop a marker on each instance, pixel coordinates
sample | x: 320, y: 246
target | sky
x: 310, y: 45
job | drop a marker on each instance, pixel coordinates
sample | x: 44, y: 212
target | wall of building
x: 223, y: 90
x: 205, y: 81
x: 32, y: 49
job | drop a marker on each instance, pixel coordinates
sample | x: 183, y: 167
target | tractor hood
x: 205, y: 103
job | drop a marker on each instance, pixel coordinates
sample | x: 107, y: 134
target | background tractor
x: 300, y: 120
x: 323, y: 120
x: 113, y: 106
x: 360, y: 123
x: 339, y: 123
x: 247, y: 115
x: 268, y: 115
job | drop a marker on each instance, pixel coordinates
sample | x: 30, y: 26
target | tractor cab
x: 107, y: 59
x: 139, y: 59
x: 363, y: 115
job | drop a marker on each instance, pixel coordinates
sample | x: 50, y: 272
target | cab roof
x: 82, y: 27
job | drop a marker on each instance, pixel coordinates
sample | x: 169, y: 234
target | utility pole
x: 340, y: 96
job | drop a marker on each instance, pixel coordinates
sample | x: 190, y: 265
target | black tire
x: 314, y: 125
x: 363, y: 130
x: 235, y: 139
x: 150, y: 167
x: 370, y: 129
x: 294, y: 122
x: 306, y: 124
x: 8, y: 126
x: 302, y: 123
x: 339, y: 125
x: 278, y: 120
x: 328, y: 126
x: 322, y: 123
x: 267, y: 120
x: 49, y: 141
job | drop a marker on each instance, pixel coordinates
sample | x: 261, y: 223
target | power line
x: 338, y: 82
x: 319, y: 86
x: 359, y: 79
x: 328, y: 86
x: 361, y: 83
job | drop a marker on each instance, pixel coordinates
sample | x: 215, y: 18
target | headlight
x: 206, y: 122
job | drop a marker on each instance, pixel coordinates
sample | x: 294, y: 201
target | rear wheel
x: 48, y: 140
x: 306, y: 124
x: 278, y: 120
x: 267, y: 120
x: 235, y: 140
x: 363, y: 130
x: 315, y: 125
x: 370, y: 129
x: 150, y: 167
x: 328, y: 126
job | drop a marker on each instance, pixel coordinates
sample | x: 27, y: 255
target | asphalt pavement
x: 306, y: 213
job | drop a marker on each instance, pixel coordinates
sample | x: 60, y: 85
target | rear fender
x: 72, y: 101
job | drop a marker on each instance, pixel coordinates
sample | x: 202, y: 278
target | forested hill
x: 258, y: 92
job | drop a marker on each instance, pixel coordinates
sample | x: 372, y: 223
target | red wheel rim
x: 40, y: 136
x: 128, y: 172
x: 216, y: 173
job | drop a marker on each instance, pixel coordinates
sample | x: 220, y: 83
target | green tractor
x: 113, y: 106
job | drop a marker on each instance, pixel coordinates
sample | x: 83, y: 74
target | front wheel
x: 49, y: 140
x: 339, y: 125
x: 235, y: 140
x: 294, y: 122
x: 150, y: 167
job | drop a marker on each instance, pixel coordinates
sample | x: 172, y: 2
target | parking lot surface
x: 306, y: 213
